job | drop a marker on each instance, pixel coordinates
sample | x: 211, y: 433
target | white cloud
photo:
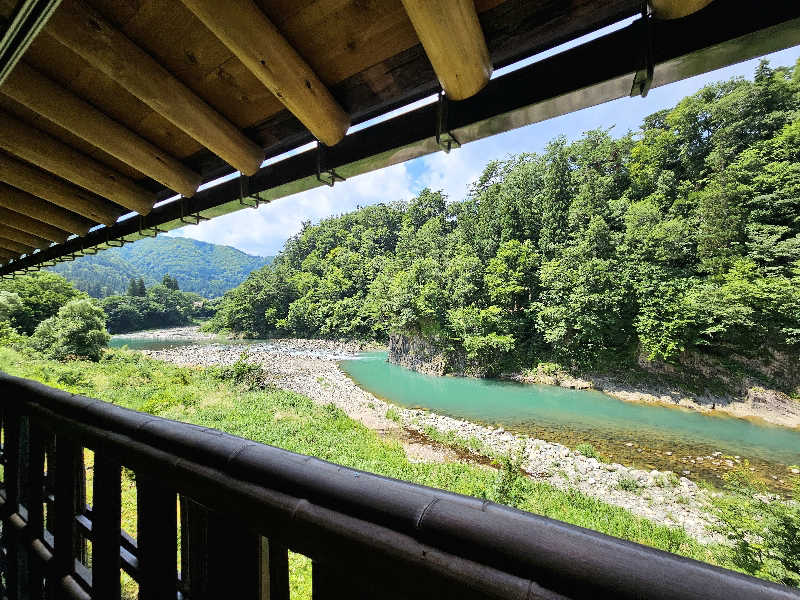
x: 263, y: 231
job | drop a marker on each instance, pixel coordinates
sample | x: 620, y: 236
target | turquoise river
x: 645, y: 435
x: 699, y: 445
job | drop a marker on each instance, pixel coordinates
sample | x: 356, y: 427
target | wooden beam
x: 59, y: 105
x: 252, y: 37
x: 453, y: 40
x: 6, y: 255
x: 82, y: 29
x: 31, y: 226
x: 15, y: 246
x: 57, y: 191
x: 41, y: 210
x: 675, y: 9
x: 47, y: 152
x: 16, y: 235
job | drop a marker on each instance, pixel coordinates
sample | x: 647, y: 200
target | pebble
x: 303, y: 366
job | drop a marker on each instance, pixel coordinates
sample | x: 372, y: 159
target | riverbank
x: 309, y: 367
x: 755, y: 402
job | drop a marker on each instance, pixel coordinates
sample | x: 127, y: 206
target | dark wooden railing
x: 243, y: 505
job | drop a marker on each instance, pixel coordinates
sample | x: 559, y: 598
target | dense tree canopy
x: 27, y: 301
x: 684, y: 235
x: 160, y: 305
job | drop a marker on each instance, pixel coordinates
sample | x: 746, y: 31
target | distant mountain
x: 207, y: 269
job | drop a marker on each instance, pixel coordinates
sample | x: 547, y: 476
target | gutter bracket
x: 332, y: 175
x: 643, y: 78
x: 444, y: 138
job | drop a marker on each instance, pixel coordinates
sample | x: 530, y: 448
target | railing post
x: 219, y: 554
x: 68, y: 460
x: 16, y: 479
x: 106, y: 525
x: 34, y: 501
x: 157, y: 540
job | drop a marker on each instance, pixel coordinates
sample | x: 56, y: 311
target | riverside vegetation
x: 231, y: 399
x: 236, y: 398
x: 676, y: 247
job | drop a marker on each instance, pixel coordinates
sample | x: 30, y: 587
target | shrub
x: 78, y: 329
x: 509, y: 486
x: 628, y: 484
x: 764, y: 532
x: 587, y: 450
x: 250, y: 375
x: 393, y: 415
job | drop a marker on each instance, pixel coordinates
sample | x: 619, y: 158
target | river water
x: 643, y: 435
x: 650, y: 436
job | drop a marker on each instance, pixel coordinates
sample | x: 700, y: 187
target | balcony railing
x: 243, y: 505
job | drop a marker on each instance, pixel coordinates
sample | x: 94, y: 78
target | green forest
x: 206, y: 269
x: 682, y: 236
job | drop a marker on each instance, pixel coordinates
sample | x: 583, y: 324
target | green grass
x: 291, y: 421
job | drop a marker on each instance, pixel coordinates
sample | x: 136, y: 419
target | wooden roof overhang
x: 109, y: 110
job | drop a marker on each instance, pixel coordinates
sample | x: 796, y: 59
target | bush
x: 249, y: 375
x: 764, y: 531
x: 628, y: 484
x: 587, y: 450
x: 77, y: 330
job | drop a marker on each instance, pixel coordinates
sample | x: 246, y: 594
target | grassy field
x: 219, y: 398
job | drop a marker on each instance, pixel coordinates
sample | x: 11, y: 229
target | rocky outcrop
x: 418, y: 354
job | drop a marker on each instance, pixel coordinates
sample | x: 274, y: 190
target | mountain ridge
x: 201, y: 267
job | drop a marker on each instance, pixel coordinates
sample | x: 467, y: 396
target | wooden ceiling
x: 117, y: 103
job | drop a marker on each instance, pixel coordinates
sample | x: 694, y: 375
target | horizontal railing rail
x: 243, y: 505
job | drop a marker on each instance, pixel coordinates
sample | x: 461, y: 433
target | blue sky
x: 264, y: 231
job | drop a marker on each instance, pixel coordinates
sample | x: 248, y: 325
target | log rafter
x: 454, y: 42
x: 253, y: 39
x: 82, y: 29
x: 42, y: 150
x: 24, y: 224
x: 61, y: 106
x: 25, y: 203
x: 48, y: 187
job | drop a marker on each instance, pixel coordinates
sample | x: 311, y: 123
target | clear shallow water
x: 141, y: 343
x: 572, y: 415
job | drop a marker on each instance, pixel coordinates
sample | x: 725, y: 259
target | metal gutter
x: 28, y: 19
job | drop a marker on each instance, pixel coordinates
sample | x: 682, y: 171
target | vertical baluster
x: 106, y: 517
x: 68, y: 459
x: 156, y: 540
x: 275, y: 558
x: 16, y: 480
x: 35, y: 510
x: 218, y: 553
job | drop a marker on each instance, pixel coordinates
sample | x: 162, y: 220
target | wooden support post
x: 156, y: 540
x: 47, y: 98
x: 82, y: 29
x: 252, y: 37
x: 675, y: 9
x: 66, y: 538
x: 55, y: 190
x: 453, y: 40
x: 106, y: 524
x: 22, y: 237
x: 15, y: 246
x: 34, y: 503
x: 27, y: 225
x: 52, y: 155
x: 41, y: 210
x: 15, y: 478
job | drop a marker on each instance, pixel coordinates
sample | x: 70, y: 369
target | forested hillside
x: 206, y: 269
x: 684, y: 235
